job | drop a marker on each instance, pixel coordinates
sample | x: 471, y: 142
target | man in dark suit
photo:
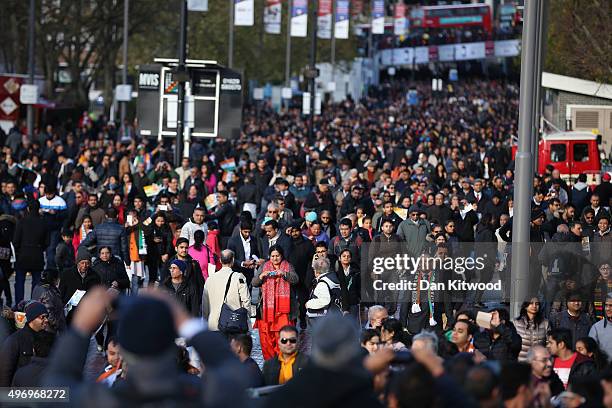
x: 274, y: 236
x: 225, y: 215
x: 246, y: 251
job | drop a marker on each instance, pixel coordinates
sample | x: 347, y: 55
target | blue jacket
x: 110, y: 234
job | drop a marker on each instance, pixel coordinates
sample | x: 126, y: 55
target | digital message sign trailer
x: 213, y: 102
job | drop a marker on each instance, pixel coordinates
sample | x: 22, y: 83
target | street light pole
x: 312, y: 69
x: 333, y: 42
x: 288, y: 49
x: 31, y: 64
x: 181, y: 75
x: 230, y: 48
x: 126, y: 6
x: 523, y: 192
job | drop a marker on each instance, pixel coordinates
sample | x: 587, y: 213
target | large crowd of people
x: 269, y: 238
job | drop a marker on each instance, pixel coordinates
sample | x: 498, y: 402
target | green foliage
x: 580, y: 39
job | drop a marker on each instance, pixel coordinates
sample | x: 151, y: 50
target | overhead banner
x: 9, y: 98
x: 299, y: 18
x: 324, y: 19
x: 400, y: 23
x: 341, y: 28
x: 244, y: 13
x: 357, y: 8
x: 273, y: 16
x: 378, y: 16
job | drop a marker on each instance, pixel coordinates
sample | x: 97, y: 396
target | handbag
x: 233, y: 321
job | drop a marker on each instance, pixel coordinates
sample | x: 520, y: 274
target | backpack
x: 335, y: 302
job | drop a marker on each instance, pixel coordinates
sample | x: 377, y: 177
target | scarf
x: 275, y: 293
x: 83, y: 233
x: 416, y: 296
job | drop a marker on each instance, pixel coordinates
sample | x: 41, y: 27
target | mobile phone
x: 130, y: 219
x: 163, y: 207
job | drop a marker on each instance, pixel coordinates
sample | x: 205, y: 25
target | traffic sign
x: 29, y: 94
x: 123, y: 93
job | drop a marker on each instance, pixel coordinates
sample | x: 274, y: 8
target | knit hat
x: 179, y: 264
x: 414, y: 209
x: 34, y: 309
x: 146, y: 318
x: 335, y: 341
x: 83, y: 255
x: 536, y: 213
x: 311, y: 216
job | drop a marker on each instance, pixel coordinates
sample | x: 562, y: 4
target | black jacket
x: 152, y: 382
x: 64, y: 255
x: 271, y: 368
x: 71, y: 281
x: 235, y: 245
x: 505, y: 348
x: 155, y: 250
x: 16, y: 352
x: 225, y: 215
x: 347, y: 387
x: 301, y: 259
x: 31, y: 375
x: 186, y: 295
x: 583, y: 367
x: 113, y: 270
x: 350, y: 286
x: 110, y: 234
x: 30, y: 241
x: 284, y: 241
x: 49, y: 296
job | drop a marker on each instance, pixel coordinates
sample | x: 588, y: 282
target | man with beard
x: 300, y: 258
x: 92, y: 209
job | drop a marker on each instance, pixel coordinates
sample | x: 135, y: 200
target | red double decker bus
x: 452, y: 16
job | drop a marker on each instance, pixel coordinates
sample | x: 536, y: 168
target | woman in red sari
x: 278, y: 302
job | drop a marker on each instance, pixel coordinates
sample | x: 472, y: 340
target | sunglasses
x: 291, y: 340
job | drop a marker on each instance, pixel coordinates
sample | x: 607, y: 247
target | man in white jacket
x: 326, y: 291
x: 214, y: 291
x: 194, y: 224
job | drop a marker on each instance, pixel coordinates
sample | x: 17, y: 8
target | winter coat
x: 531, y: 334
x: 64, y: 255
x: 602, y: 333
x: 225, y: 215
x: 31, y: 374
x: 579, y: 327
x: 583, y: 367
x: 113, y: 270
x: 350, y: 285
x: 214, y: 291
x: 15, y: 352
x: 580, y: 196
x: 97, y: 215
x: 49, y: 295
x: 109, y: 234
x: 505, y: 348
x: 185, y: 294
x: 71, y: 281
x: 30, y: 242
x: 414, y: 235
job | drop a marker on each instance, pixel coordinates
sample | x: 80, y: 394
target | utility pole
x: 230, y: 48
x: 288, y: 49
x: 541, y: 44
x: 126, y: 6
x: 312, y: 70
x: 520, y: 289
x: 333, y: 42
x: 31, y: 64
x: 182, y: 77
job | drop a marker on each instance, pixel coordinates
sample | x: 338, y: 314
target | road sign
x: 29, y: 94
x: 123, y: 93
x: 286, y: 93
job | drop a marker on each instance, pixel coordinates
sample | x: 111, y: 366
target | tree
x: 580, y: 39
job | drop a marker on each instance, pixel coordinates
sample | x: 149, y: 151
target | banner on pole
x: 399, y: 19
x: 273, y: 16
x: 324, y: 19
x: 378, y: 16
x: 244, y: 13
x: 299, y: 18
x: 341, y: 28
